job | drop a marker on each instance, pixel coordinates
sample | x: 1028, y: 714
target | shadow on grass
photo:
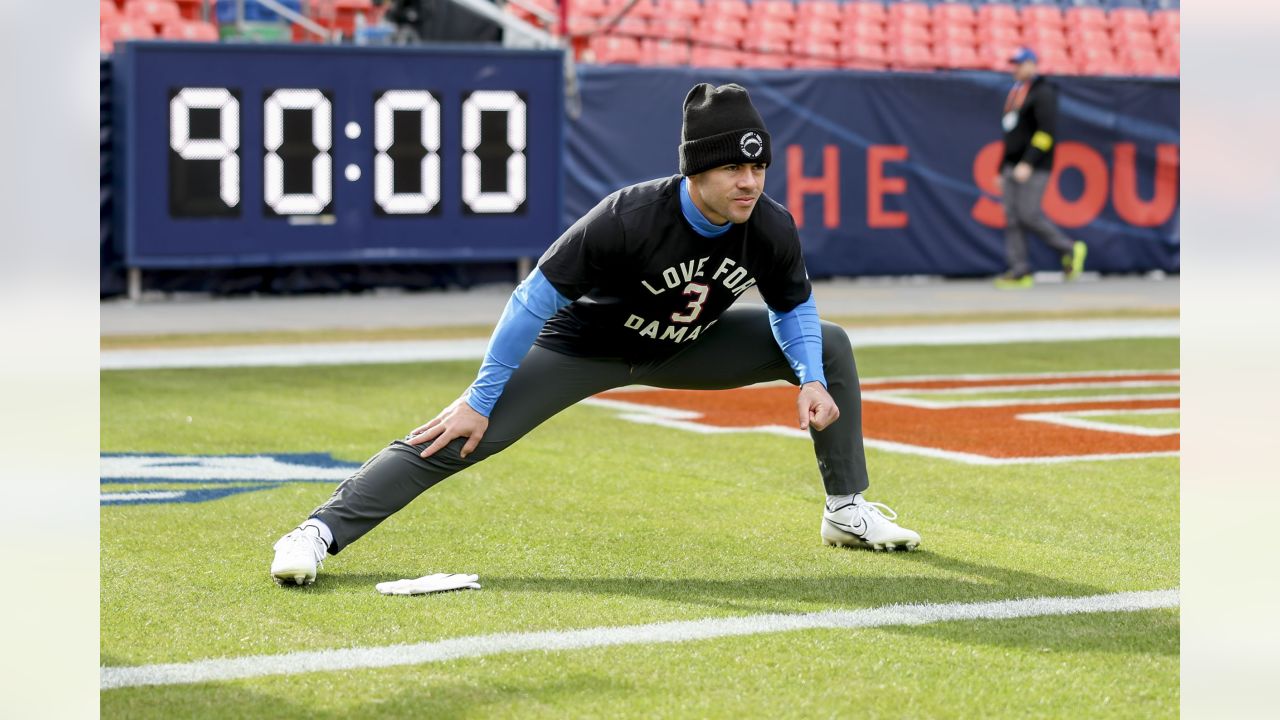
x: 436, y: 695
x: 959, y: 581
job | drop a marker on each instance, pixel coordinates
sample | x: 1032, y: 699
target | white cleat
x: 298, y: 555
x: 867, y: 525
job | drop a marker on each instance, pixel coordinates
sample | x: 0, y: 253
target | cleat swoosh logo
x: 860, y: 529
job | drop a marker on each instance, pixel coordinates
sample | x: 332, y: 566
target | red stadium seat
x: 189, y: 30
x: 955, y: 35
x: 1096, y: 60
x: 863, y: 55
x: 191, y: 9
x: 1057, y: 61
x: 908, y: 33
x: 999, y: 14
x: 1044, y: 16
x: 339, y: 15
x: 1139, y: 61
x: 909, y: 11
x: 995, y: 56
x: 589, y: 8
x: 999, y: 35
x: 614, y: 49
x: 107, y: 11
x: 664, y: 52
x: 778, y: 9
x: 1133, y: 38
x: 825, y: 10
x: 713, y: 57
x: 582, y: 25
x: 910, y: 56
x: 1040, y: 37
x: 686, y: 9
x: 1170, y: 61
x: 1086, y: 17
x: 960, y: 56
x: 642, y: 9
x: 865, y: 10
x: 630, y: 27
x: 817, y: 29
x: 1129, y: 17
x: 768, y: 28
x: 727, y: 8
x: 954, y: 14
x: 1087, y: 36
x: 815, y: 55
x: 671, y: 28
x: 127, y: 29
x: 720, y: 30
x: 1166, y: 20
x: 765, y: 59
x: 155, y: 12
x: 868, y: 31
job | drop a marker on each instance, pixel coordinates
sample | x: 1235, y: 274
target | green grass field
x: 593, y: 521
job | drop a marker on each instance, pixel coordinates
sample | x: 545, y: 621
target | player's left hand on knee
x: 817, y: 408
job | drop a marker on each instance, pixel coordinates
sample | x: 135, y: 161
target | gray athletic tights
x: 738, y: 350
x: 1022, y: 213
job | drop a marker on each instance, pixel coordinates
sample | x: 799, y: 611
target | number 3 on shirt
x: 695, y: 306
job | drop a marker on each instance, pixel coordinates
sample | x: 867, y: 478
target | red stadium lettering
x: 1133, y: 209
x: 878, y: 186
x: 986, y: 168
x: 1086, y: 208
x: 827, y: 185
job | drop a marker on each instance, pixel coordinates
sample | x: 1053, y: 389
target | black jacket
x: 1031, y: 125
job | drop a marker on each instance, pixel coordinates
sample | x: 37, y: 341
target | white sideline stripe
x: 667, y: 632
x: 359, y: 353
x: 258, y: 468
x: 137, y: 496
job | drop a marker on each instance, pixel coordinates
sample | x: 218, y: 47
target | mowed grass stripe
x: 666, y: 632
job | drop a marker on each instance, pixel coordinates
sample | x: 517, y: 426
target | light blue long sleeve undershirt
x: 799, y: 334
x: 531, y: 305
x: 797, y: 331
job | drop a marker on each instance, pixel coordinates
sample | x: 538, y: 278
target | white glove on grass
x: 440, y: 582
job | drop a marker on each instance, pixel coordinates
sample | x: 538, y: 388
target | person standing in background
x: 1030, y: 122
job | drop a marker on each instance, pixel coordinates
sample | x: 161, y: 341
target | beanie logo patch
x: 751, y: 144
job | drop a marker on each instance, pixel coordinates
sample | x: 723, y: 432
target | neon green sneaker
x: 1014, y: 282
x: 1073, y: 262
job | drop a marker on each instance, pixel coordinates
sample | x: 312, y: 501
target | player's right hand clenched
x: 457, y: 420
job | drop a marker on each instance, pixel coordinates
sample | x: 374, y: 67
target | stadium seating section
x: 1072, y: 37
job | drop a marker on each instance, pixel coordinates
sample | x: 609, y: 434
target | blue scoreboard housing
x: 259, y: 155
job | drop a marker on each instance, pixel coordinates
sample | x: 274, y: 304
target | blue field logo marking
x: 210, y: 476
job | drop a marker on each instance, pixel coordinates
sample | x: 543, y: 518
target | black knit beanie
x: 721, y: 127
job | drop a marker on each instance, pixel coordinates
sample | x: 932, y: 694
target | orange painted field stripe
x: 989, y: 431
x: 891, y: 384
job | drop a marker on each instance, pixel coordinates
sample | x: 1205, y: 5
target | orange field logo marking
x: 969, y: 418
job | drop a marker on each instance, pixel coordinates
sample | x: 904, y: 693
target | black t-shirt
x: 644, y: 284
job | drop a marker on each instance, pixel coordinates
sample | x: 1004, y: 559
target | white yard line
x: 296, y: 663
x: 356, y: 353
x: 1078, y: 419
